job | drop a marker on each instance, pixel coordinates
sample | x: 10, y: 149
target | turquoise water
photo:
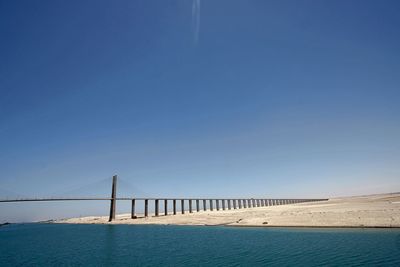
x: 122, y: 245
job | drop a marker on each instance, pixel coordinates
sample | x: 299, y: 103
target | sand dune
x: 363, y: 211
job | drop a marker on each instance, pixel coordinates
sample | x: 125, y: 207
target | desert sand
x: 362, y: 211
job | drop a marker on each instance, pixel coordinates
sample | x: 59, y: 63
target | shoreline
x: 373, y: 211
x: 228, y: 225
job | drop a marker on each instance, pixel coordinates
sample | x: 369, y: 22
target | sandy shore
x: 364, y: 211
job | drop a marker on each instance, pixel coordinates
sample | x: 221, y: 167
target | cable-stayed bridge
x: 193, y: 204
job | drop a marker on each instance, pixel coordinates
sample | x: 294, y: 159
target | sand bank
x: 363, y: 211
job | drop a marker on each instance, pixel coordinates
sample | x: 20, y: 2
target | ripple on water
x: 121, y: 245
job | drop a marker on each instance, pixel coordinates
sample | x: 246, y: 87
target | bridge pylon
x: 113, y: 198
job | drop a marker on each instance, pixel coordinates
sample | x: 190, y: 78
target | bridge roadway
x: 137, y: 198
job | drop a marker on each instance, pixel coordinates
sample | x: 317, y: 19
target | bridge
x: 194, y: 204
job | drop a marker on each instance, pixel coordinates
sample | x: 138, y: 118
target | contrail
x: 196, y: 20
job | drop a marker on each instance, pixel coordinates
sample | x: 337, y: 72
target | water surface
x: 136, y: 245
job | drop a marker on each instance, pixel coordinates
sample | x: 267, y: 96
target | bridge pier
x: 156, y: 202
x: 165, y: 207
x: 244, y: 203
x: 133, y: 209
x: 190, y: 206
x: 204, y: 205
x: 211, y: 205
x: 234, y: 204
x: 240, y: 203
x: 174, y: 206
x: 217, y: 204
x: 223, y: 204
x: 183, y: 206
x: 146, y: 208
x: 197, y: 205
x: 229, y: 204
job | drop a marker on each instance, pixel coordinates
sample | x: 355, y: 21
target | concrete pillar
x: 249, y: 203
x: 156, y: 207
x: 146, y: 208
x: 174, y: 206
x: 133, y: 209
x: 262, y: 202
x: 258, y: 203
x: 217, y: 204
x: 223, y: 204
x: 240, y: 203
x: 234, y: 204
x: 113, y: 198
x: 197, y: 205
x: 190, y: 206
x: 183, y: 206
x: 244, y: 203
x: 165, y: 207
x: 204, y: 205
x: 211, y: 205
x: 229, y: 204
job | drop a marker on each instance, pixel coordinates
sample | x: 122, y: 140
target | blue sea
x: 133, y: 245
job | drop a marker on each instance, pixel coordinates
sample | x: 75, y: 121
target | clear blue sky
x: 233, y: 98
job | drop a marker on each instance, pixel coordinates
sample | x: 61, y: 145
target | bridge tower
x: 113, y: 198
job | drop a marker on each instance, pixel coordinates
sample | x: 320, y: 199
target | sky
x: 197, y: 98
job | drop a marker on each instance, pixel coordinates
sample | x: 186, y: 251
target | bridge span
x: 194, y: 204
